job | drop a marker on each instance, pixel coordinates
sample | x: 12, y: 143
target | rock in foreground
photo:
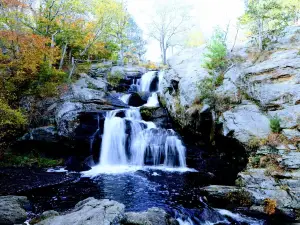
x: 12, y: 209
x: 107, y: 212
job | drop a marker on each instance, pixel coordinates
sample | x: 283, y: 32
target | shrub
x: 270, y: 206
x: 215, y: 57
x: 114, y: 79
x: 275, y: 125
x: 12, y: 122
x: 254, y: 143
x: 242, y: 198
x: 48, y: 81
x: 29, y: 159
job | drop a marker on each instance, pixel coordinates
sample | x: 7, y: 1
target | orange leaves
x: 27, y: 52
x: 13, y: 4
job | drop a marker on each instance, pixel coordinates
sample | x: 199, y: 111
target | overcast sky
x: 206, y: 15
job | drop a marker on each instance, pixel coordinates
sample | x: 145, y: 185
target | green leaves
x: 265, y: 19
x: 215, y: 57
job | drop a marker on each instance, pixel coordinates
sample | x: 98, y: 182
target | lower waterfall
x: 132, y: 141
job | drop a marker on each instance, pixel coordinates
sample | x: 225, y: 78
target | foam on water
x: 146, y: 80
x: 152, y: 101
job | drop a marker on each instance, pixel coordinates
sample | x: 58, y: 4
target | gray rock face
x: 47, y: 134
x: 153, y: 216
x: 291, y: 160
x: 255, y: 187
x: 89, y: 212
x: 289, y: 117
x: 128, y: 71
x: 106, y: 212
x: 246, y: 121
x: 187, y: 70
x: 12, y: 209
x: 291, y: 134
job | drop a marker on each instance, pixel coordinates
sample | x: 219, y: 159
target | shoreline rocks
x: 12, y: 209
x: 105, y: 212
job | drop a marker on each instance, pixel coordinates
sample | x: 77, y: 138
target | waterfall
x: 113, y: 141
x: 125, y: 98
x: 146, y: 80
x: 147, y: 144
x: 128, y: 141
x: 152, y: 101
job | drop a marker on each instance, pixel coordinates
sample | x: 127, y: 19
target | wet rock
x: 12, y: 209
x: 158, y: 115
x: 46, y: 134
x: 153, y: 216
x: 90, y: 211
x: 49, y: 214
x: 138, y: 99
x: 76, y: 164
x: 245, y: 122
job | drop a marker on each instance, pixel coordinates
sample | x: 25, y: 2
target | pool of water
x: 176, y: 192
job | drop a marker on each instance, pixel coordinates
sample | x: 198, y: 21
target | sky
x: 206, y: 15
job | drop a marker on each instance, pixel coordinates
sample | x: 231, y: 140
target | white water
x: 125, y: 98
x: 152, y: 101
x: 145, y: 82
x: 146, y: 145
x: 130, y: 143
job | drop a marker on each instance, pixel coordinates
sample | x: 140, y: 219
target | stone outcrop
x: 128, y: 71
x: 257, y: 88
x: 153, y: 216
x: 12, y: 209
x: 90, y: 211
x: 246, y: 121
x: 106, y: 212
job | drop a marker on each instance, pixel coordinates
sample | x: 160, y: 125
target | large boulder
x: 187, y: 72
x: 256, y: 189
x: 45, y: 134
x: 12, y: 209
x: 153, y: 216
x: 138, y: 99
x: 90, y: 211
x: 106, y: 212
x: 245, y: 122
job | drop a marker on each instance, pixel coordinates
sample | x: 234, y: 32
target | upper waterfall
x: 146, y: 80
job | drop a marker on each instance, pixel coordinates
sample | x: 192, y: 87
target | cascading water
x: 129, y: 141
x: 146, y: 80
x: 147, y: 144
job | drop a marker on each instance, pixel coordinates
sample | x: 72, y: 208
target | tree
x: 169, y: 21
x: 137, y: 43
x: 267, y: 18
x: 119, y: 27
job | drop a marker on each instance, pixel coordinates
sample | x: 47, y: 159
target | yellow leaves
x: 27, y: 52
x: 270, y: 206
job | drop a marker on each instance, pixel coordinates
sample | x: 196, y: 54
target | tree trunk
x: 164, y: 55
x: 63, y: 56
x: 260, y: 35
x: 72, y: 69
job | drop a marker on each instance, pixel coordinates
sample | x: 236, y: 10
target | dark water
x: 176, y: 192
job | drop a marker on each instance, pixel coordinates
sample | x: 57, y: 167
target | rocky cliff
x: 257, y: 105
